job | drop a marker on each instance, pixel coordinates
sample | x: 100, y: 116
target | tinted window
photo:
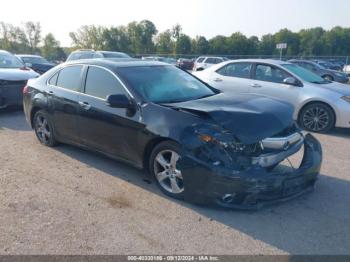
x: 270, y: 73
x: 53, y: 80
x: 211, y: 60
x: 101, y: 83
x: 200, y: 60
x: 164, y: 84
x: 304, y: 74
x: 69, y: 78
x: 236, y: 70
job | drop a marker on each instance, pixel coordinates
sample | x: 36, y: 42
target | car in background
x: 158, y: 117
x: 13, y: 78
x: 329, y: 65
x: 346, y: 69
x: 185, y: 64
x: 319, y: 104
x: 37, y: 63
x: 204, y: 62
x: 328, y: 74
x: 90, y: 53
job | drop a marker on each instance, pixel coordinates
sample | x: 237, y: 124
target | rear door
x: 233, y: 77
x: 63, y: 90
x: 109, y: 130
x: 268, y: 81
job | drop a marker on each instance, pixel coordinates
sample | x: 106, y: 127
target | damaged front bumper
x: 254, y: 187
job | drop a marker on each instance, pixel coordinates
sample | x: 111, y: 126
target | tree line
x: 27, y: 39
x: 142, y: 37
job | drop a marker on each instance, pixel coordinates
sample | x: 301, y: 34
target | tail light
x: 25, y: 89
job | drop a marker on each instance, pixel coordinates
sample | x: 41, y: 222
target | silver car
x: 319, y: 104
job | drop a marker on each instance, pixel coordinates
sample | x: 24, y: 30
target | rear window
x: 69, y: 78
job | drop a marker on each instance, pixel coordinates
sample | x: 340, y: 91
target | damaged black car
x: 201, y: 145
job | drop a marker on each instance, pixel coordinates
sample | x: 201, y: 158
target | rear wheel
x: 317, y: 117
x: 44, y: 129
x: 163, y: 166
x: 328, y: 77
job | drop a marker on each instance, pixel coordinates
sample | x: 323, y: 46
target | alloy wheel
x: 168, y: 176
x: 42, y: 129
x: 316, y: 119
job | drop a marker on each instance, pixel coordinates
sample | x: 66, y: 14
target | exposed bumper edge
x: 254, y: 188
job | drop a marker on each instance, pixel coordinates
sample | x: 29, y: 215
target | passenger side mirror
x: 119, y: 101
x: 290, y: 81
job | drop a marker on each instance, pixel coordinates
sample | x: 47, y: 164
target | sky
x: 197, y: 17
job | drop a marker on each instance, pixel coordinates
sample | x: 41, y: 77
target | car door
x: 110, y: 130
x: 63, y: 90
x: 232, y: 77
x: 268, y: 81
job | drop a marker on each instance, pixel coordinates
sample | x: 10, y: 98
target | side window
x: 53, y: 79
x: 210, y: 60
x: 101, y: 83
x: 270, y: 74
x: 241, y: 70
x: 69, y: 78
x: 200, y: 60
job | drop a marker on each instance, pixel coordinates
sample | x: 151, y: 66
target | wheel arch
x: 149, y: 148
x: 316, y: 102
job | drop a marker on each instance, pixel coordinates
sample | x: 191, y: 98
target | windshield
x: 35, y: 60
x: 164, y: 84
x: 305, y: 74
x: 115, y: 55
x: 10, y: 61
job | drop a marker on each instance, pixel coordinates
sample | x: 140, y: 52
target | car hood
x: 342, y: 89
x: 249, y: 117
x: 16, y: 74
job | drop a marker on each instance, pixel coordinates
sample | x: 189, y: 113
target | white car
x: 204, y: 62
x: 319, y: 104
x: 346, y: 69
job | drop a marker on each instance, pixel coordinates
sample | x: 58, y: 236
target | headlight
x: 346, y: 98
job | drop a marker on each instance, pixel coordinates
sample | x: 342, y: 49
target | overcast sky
x: 197, y: 17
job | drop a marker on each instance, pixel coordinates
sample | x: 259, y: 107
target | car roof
x: 28, y: 55
x: 5, y: 52
x: 269, y: 61
x: 116, y: 62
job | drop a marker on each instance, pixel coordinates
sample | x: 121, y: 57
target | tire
x: 317, y: 117
x: 162, y: 165
x: 328, y: 77
x: 44, y: 129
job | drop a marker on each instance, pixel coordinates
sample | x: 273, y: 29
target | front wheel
x: 317, y: 117
x: 328, y: 77
x: 163, y: 166
x: 44, y: 129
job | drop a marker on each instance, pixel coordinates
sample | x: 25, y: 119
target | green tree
x: 183, y: 44
x: 311, y: 41
x: 267, y: 45
x: 88, y: 36
x: 217, y: 45
x: 200, y: 45
x: 51, y: 49
x: 116, y: 39
x: 164, y: 42
x: 33, y: 34
x: 292, y: 40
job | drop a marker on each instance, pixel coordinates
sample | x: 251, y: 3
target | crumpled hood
x: 249, y: 117
x: 16, y: 74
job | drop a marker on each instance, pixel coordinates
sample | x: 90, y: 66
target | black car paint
x: 130, y: 137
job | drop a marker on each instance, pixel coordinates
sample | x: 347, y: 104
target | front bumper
x: 252, y: 188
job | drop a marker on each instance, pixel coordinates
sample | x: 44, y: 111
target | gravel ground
x: 66, y: 200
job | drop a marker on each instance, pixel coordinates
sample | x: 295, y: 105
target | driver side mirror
x: 121, y: 101
x: 291, y: 81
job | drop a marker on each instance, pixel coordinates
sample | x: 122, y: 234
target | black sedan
x: 37, y: 63
x: 199, y: 144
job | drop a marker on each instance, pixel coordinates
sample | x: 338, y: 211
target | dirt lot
x: 69, y: 201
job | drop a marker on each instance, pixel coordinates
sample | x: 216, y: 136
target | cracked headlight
x: 346, y: 98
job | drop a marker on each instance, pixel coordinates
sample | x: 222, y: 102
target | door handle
x: 85, y: 105
x: 255, y: 85
x: 218, y: 80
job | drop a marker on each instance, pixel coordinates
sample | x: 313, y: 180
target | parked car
x: 319, y: 104
x: 329, y: 65
x: 327, y: 74
x: 90, y: 53
x: 37, y: 63
x: 204, y: 62
x: 13, y: 78
x: 185, y: 64
x: 161, y: 118
x: 167, y: 60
